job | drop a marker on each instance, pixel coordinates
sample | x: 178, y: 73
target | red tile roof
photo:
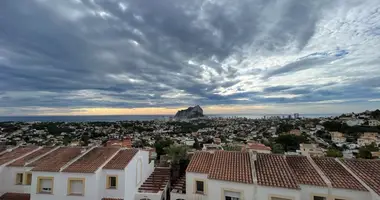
x: 15, y: 153
x: 200, y: 162
x: 22, y: 161
x: 273, y: 170
x: 304, y: 171
x: 231, y: 166
x: 15, y: 196
x: 121, y: 160
x: 57, y: 159
x: 338, y: 175
x: 367, y: 170
x: 92, y: 160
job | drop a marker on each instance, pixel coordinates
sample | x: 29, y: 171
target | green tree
x: 196, y: 144
x: 177, y: 153
x: 289, y: 142
x: 160, y: 145
x: 277, y: 148
x: 232, y: 147
x: 332, y: 152
x: 365, y: 152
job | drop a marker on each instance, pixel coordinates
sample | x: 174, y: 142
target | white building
x: 337, y: 137
x: 311, y: 150
x: 228, y: 175
x: 373, y: 122
x: 73, y: 173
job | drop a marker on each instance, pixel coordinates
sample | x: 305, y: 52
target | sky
x: 104, y: 57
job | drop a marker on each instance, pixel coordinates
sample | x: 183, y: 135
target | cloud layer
x: 70, y: 54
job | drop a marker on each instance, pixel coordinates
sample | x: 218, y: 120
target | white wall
x: 151, y: 196
x: 263, y: 193
x: 190, y: 190
x: 308, y: 190
x: 8, y: 180
x: 175, y: 196
x: 131, y: 185
x: 60, y: 186
x: 350, y: 194
x: 112, y: 193
x: 216, y: 187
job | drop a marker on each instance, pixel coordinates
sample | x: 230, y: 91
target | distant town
x: 351, y: 135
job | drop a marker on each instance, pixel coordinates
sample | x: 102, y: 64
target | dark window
x: 319, y: 198
x: 113, y: 182
x: 200, y: 187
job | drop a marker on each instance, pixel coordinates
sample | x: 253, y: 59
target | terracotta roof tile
x: 15, y: 153
x: 337, y: 174
x: 22, y: 161
x: 92, y: 160
x: 273, y: 170
x: 231, y: 166
x: 200, y: 162
x: 367, y: 170
x: 57, y: 159
x: 304, y: 171
x: 121, y: 160
x: 15, y: 196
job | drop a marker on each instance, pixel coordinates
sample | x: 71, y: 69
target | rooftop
x: 272, y: 170
x: 22, y: 161
x: 366, y: 170
x: 15, y: 153
x: 200, y: 162
x: 231, y: 166
x: 92, y: 160
x: 337, y: 174
x: 54, y: 161
x: 15, y: 196
x: 304, y: 171
x: 121, y: 160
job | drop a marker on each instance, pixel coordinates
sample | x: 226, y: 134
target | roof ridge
x: 75, y: 159
x: 356, y: 177
x: 320, y: 172
x: 41, y: 156
x: 253, y: 158
x: 18, y: 158
x: 109, y: 159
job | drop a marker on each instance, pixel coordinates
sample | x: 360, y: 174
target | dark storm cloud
x: 84, y: 53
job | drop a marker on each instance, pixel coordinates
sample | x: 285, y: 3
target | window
x: 75, y: 186
x: 200, y: 187
x: 111, y: 182
x: 45, y: 185
x: 19, y: 178
x: 228, y: 195
x: 319, y: 198
x: 339, y: 199
x: 28, y: 180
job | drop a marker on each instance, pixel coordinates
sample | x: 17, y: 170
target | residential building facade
x: 224, y: 175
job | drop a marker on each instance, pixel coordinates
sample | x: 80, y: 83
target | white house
x: 227, y: 175
x: 373, y: 122
x: 338, y: 137
x: 65, y: 173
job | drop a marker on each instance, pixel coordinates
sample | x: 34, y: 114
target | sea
x: 114, y: 118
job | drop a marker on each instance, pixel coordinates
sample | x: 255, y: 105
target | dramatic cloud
x: 63, y: 56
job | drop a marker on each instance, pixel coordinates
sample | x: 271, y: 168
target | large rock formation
x: 191, y: 112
